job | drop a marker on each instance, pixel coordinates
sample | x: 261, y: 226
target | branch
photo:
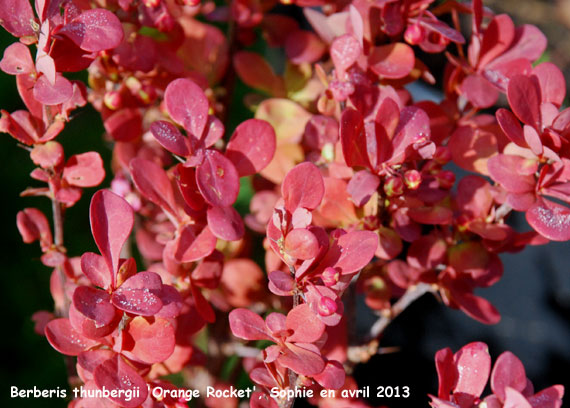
x: 412, y: 294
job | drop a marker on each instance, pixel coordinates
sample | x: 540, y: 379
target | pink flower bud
x: 414, y: 34
x: 112, y: 100
x: 413, y: 179
x: 394, y: 186
x: 327, y: 306
x: 330, y: 276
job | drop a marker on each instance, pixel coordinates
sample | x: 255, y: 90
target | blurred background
x: 533, y: 296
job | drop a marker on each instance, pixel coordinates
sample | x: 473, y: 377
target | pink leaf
x: 84, y: 170
x: 498, y: 36
x: 302, y: 358
x: 306, y: 326
x: 332, y: 377
x: 511, y: 126
x: 507, y: 372
x: 251, y: 146
x: 357, y: 250
x: 550, y: 397
x: 281, y: 282
x: 514, y: 173
x: 139, y: 294
x: 94, y: 30
x: 362, y: 186
x: 65, y: 339
x: 225, y: 223
x: 170, y: 137
x: 217, y: 179
x: 153, y: 339
x: 344, y: 51
x: 33, y: 225
x: 247, y: 325
x: 479, y: 91
x: 550, y: 219
x: 53, y: 94
x: 301, y: 244
x: 116, y: 374
x: 187, y: 105
x: 112, y: 220
x: 552, y: 83
x: 515, y: 399
x: 446, y: 372
x: 473, y: 364
x: 392, y: 61
x: 17, y: 60
x: 303, y: 186
x: 15, y: 17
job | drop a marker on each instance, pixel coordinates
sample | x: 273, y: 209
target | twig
x: 412, y: 294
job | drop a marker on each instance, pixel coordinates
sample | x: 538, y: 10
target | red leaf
x: 17, y: 60
x: 550, y: 397
x: 153, y: 183
x: 225, y: 223
x: 255, y: 72
x: 251, y: 146
x: 304, y: 46
x: 94, y: 304
x: 301, y: 244
x: 442, y: 29
x: 511, y: 126
x: 431, y: 215
x: 303, y: 186
x: 170, y: 137
x: 187, y: 105
x: 124, y: 125
x: 84, y: 170
x: 247, y: 325
x: 392, y: 61
x: 529, y: 44
x: 550, y: 219
x: 217, y: 179
x: 191, y: 247
x: 353, y: 139
x: 507, y: 372
x: 112, y: 220
x: 116, y: 374
x: 15, y: 17
x: 65, y: 339
x: 470, y: 148
x: 139, y: 294
x: 498, y: 36
x: 524, y: 98
x: 306, y: 326
x: 33, y: 225
x: 281, y: 283
x: 96, y: 269
x: 153, y: 340
x: 446, y: 372
x: 94, y: 30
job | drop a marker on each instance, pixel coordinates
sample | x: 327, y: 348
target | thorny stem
x: 289, y: 402
x: 63, y: 310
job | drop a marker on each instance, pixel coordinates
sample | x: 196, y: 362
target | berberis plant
x: 353, y: 184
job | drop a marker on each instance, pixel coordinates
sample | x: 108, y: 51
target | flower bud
x: 327, y: 306
x: 445, y: 179
x: 394, y: 186
x: 414, y: 34
x: 413, y: 179
x: 112, y: 100
x: 330, y: 276
x: 151, y: 3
